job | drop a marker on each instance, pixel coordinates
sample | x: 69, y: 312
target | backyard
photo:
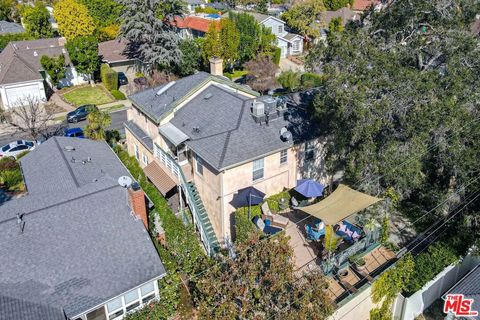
x: 88, y: 95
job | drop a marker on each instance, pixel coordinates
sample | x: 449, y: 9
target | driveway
x: 286, y: 64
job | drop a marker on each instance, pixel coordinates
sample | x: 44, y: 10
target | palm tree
x: 98, y: 121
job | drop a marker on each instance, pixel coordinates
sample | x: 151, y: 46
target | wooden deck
x: 377, y: 258
x: 334, y: 290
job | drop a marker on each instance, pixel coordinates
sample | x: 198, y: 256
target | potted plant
x: 343, y: 273
x: 358, y: 262
x: 371, y: 225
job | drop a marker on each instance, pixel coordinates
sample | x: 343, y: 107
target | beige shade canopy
x: 341, y: 204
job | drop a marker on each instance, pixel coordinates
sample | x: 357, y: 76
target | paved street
x: 118, y: 118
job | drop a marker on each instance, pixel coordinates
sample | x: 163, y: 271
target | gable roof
x: 195, y: 23
x: 80, y: 245
x: 7, y: 27
x: 346, y: 14
x: 362, y: 5
x: 20, y: 60
x: 113, y: 50
x: 260, y: 17
x: 156, y: 105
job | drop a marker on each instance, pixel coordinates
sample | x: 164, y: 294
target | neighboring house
x: 22, y: 75
x: 76, y: 247
x: 114, y: 53
x: 363, y: 5
x: 469, y: 287
x: 7, y: 27
x: 326, y: 17
x: 193, y: 4
x: 195, y: 26
x: 212, y: 137
x: 289, y: 43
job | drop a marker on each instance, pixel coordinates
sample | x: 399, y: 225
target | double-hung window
x: 280, y: 29
x: 283, y: 156
x: 258, y: 169
x: 199, y: 165
x: 309, y: 150
x: 137, y: 154
x: 296, y: 45
x: 144, y: 158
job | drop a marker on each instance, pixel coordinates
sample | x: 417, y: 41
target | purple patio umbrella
x: 248, y: 197
x: 309, y: 188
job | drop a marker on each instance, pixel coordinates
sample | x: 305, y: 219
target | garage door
x: 21, y: 92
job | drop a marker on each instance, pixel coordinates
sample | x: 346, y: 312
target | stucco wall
x: 131, y: 141
x: 141, y: 120
x: 315, y: 169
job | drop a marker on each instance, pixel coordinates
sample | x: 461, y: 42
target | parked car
x: 74, y: 133
x: 122, y: 79
x: 80, y: 113
x: 13, y: 149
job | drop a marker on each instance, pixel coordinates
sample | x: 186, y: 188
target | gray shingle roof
x: 228, y: 134
x: 7, y: 27
x: 20, y: 60
x: 80, y: 246
x: 469, y: 286
x: 140, y: 135
x: 157, y: 105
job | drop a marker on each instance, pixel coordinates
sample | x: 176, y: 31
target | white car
x: 13, y: 149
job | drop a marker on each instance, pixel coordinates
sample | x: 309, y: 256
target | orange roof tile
x: 362, y: 5
x: 195, y: 23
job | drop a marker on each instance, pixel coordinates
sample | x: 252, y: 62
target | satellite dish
x: 287, y: 136
x: 283, y: 131
x: 125, y: 181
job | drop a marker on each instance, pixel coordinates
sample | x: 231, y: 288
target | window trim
x: 280, y: 28
x: 284, y: 157
x: 144, y: 159
x: 199, y: 162
x: 262, y: 169
x: 135, y: 150
x: 309, y: 148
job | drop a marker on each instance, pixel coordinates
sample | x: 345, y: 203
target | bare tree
x: 28, y: 115
x: 262, y: 74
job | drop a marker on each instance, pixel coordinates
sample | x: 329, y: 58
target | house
x: 194, y: 4
x: 208, y: 137
x: 363, y: 5
x: 195, y: 26
x: 114, y: 53
x: 345, y: 14
x: 7, y: 27
x: 289, y: 43
x: 22, y: 75
x: 76, y: 246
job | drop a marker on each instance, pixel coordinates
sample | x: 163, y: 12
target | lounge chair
x: 266, y: 229
x: 276, y: 219
x: 349, y: 232
x: 313, y: 233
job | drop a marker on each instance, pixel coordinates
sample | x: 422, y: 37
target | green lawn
x: 88, y: 95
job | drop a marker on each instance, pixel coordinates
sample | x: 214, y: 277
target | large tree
x: 37, y: 20
x: 261, y: 75
x: 400, y: 104
x: 301, y: 17
x: 8, y: 10
x: 211, y: 45
x: 260, y: 284
x: 55, y: 67
x: 73, y: 19
x: 229, y: 40
x: 106, y: 17
x: 83, y: 52
x: 191, y: 57
x: 98, y: 122
x: 146, y: 24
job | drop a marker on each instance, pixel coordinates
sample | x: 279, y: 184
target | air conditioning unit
x: 258, y: 109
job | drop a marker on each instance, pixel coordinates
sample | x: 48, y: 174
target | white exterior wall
x: 73, y: 78
x: 11, y: 93
x: 274, y: 25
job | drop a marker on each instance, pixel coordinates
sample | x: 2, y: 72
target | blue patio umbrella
x: 248, y: 197
x: 309, y: 188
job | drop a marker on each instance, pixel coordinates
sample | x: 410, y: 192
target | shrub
x: 8, y: 164
x: 11, y: 179
x: 273, y: 201
x: 289, y: 79
x: 243, y: 226
x: 109, y: 77
x: 311, y: 80
x: 118, y: 95
x: 276, y: 55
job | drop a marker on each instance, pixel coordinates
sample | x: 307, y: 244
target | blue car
x: 74, y: 133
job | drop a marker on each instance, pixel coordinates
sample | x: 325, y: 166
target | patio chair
x: 349, y: 232
x: 276, y: 219
x: 314, y: 234
x: 265, y: 228
x: 294, y: 203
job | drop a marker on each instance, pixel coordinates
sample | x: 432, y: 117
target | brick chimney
x: 137, y: 201
x: 216, y: 66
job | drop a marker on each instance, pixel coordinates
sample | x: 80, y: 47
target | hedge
x: 109, y: 77
x: 118, y: 95
x: 276, y: 55
x: 243, y: 226
x: 273, y: 201
x: 10, y: 175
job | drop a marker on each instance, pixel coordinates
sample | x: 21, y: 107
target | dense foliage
x: 146, y: 25
x: 10, y: 174
x: 109, y: 77
x: 261, y: 75
x: 301, y: 17
x: 54, y: 67
x: 244, y: 226
x: 8, y: 10
x: 191, y: 57
x: 6, y: 38
x: 400, y: 103
x: 260, y: 284
x: 98, y: 122
x: 105, y: 15
x: 36, y: 20
x: 83, y: 52
x: 334, y: 5
x: 73, y: 19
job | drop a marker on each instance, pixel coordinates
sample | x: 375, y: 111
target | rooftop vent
x: 196, y: 130
x: 208, y: 96
x: 35, y: 54
x: 286, y: 136
x: 69, y: 148
x: 165, y: 88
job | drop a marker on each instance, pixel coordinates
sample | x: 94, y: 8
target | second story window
x: 144, y: 158
x: 309, y: 150
x: 257, y: 169
x: 283, y: 156
x: 280, y: 29
x: 135, y: 149
x: 199, y: 166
